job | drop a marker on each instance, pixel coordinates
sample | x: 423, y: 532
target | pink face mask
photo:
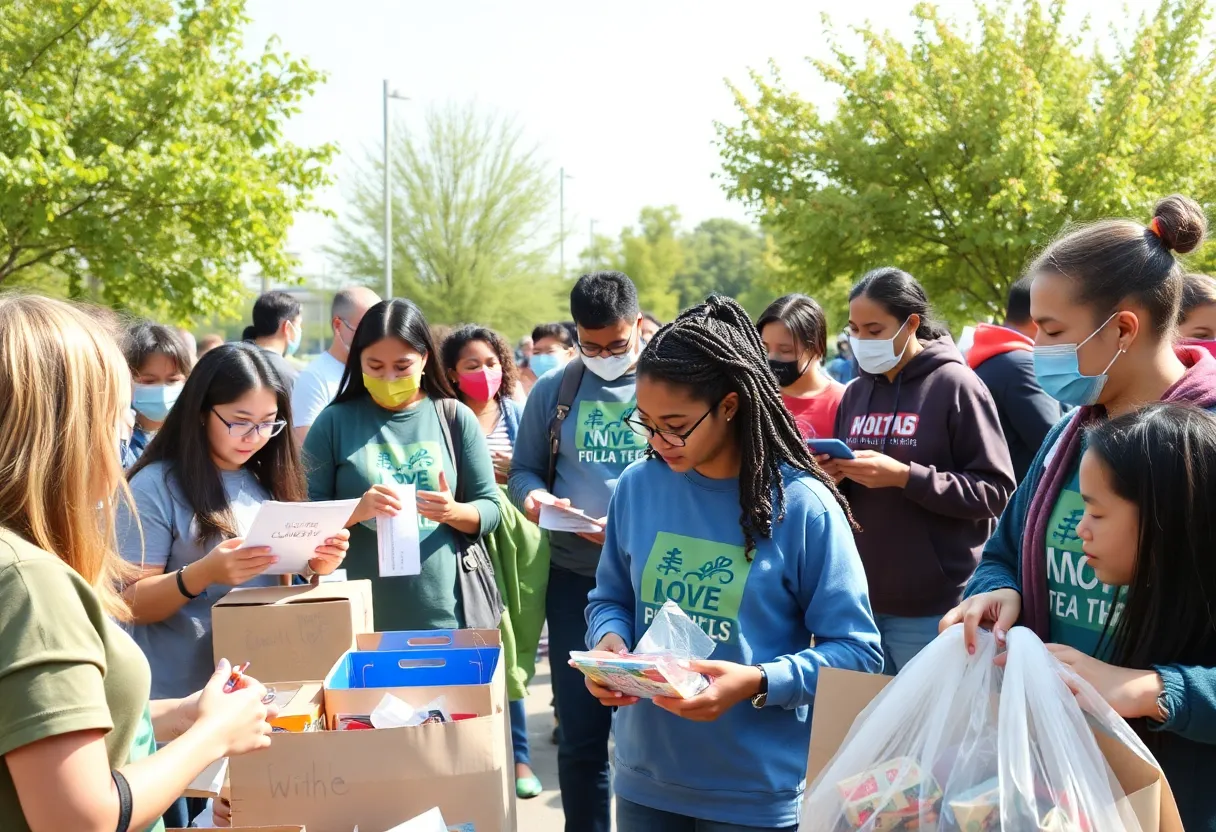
x: 482, y: 385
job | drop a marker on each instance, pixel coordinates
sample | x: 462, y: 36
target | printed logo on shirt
x: 891, y: 428
x: 704, y: 577
x: 417, y: 464
x: 601, y: 434
x: 1080, y: 604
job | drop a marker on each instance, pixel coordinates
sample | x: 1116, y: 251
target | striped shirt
x: 498, y: 439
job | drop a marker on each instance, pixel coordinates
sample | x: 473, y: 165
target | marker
x: 235, y: 678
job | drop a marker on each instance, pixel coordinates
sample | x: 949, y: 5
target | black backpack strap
x: 572, y: 377
x: 449, y: 425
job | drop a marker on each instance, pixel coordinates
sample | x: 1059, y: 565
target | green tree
x: 957, y: 156
x: 471, y: 204
x: 727, y: 257
x: 142, y: 159
x: 652, y: 254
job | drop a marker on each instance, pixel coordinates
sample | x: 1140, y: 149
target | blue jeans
x: 903, y: 638
x: 632, y: 817
x: 582, y: 749
x: 519, y: 733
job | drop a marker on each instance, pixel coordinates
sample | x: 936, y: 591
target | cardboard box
x: 301, y: 707
x: 290, y: 632
x: 843, y: 694
x: 253, y: 829
x: 377, y: 779
x: 422, y: 672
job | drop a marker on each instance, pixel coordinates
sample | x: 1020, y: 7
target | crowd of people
x: 1060, y: 475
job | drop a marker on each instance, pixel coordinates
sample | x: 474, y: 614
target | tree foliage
x: 675, y: 269
x: 958, y: 155
x: 141, y: 156
x: 470, y: 208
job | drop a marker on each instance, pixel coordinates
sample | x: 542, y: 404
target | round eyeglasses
x: 242, y: 430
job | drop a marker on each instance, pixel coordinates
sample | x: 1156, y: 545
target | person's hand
x: 184, y: 715
x: 997, y: 610
x: 536, y: 499
x: 502, y: 465
x: 440, y: 505
x: 232, y: 564
x: 379, y: 500
x: 830, y: 467
x: 1132, y: 693
x: 330, y: 554
x: 237, y: 719
x: 874, y: 470
x: 729, y: 684
x: 596, y: 537
x: 221, y: 813
x: 611, y: 645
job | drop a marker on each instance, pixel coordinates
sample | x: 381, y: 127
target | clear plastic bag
x: 653, y: 668
x: 957, y: 744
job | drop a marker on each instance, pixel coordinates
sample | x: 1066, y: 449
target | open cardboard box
x: 332, y: 780
x: 290, y: 632
x: 842, y: 695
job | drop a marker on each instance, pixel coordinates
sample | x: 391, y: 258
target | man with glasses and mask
x: 586, y: 413
x: 318, y: 383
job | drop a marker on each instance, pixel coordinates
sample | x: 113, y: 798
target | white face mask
x: 878, y: 356
x: 612, y: 367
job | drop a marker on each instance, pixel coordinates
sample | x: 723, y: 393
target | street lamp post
x: 561, y: 220
x: 388, y: 197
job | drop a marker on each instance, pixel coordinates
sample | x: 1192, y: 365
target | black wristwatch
x: 761, y: 698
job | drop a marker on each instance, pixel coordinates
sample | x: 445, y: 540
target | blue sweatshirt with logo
x: 596, y: 446
x: 678, y: 537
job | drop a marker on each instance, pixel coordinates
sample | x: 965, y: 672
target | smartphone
x: 832, y: 447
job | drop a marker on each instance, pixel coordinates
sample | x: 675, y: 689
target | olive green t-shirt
x: 65, y: 666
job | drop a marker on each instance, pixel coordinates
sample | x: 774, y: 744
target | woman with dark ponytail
x: 730, y: 517
x: 932, y: 470
x: 1106, y: 299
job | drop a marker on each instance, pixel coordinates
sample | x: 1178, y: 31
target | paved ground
x: 544, y: 813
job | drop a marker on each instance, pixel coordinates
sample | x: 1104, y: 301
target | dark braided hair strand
x: 713, y: 349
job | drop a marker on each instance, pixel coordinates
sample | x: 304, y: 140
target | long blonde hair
x: 63, y: 387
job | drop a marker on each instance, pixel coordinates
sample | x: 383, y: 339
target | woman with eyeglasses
x: 756, y: 545
x: 223, y: 450
x: 385, y: 429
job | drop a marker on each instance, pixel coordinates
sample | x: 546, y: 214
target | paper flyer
x: 641, y: 676
x: 397, y: 537
x: 293, y: 531
x: 563, y: 519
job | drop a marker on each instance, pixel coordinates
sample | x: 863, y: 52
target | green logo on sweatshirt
x: 704, y: 577
x: 601, y: 434
x: 417, y: 464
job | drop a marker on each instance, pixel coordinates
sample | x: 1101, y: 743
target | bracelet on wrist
x: 181, y: 586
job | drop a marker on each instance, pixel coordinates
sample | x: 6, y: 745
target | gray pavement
x: 544, y: 813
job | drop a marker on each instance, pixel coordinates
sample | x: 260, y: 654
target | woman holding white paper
x: 385, y: 431
x: 225, y: 448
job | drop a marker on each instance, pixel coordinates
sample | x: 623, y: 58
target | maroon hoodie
x: 921, y: 543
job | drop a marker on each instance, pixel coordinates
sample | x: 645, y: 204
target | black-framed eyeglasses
x: 591, y: 351
x: 241, y: 430
x: 671, y: 437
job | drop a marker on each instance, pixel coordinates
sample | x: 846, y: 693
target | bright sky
x: 623, y: 94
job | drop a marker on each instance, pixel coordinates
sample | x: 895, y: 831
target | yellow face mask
x: 392, y: 394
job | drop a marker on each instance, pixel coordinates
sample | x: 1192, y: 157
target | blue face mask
x: 1058, y: 370
x: 293, y: 345
x: 154, y: 401
x: 542, y: 362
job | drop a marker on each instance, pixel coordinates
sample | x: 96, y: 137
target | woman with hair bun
x: 1105, y: 297
x: 932, y: 471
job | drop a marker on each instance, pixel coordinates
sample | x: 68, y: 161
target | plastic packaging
x: 957, y: 744
x: 653, y: 669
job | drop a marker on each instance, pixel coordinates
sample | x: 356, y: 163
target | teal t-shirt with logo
x: 1079, y: 604
x: 357, y: 444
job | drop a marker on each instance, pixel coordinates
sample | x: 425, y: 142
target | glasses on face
x: 676, y: 440
x: 346, y: 324
x: 243, y: 430
x: 618, y: 348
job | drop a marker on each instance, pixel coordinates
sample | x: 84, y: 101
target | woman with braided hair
x: 731, y: 518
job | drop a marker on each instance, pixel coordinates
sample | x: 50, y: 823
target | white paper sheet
x: 397, y: 537
x: 293, y: 531
x: 562, y: 519
x: 431, y: 821
x: 211, y: 779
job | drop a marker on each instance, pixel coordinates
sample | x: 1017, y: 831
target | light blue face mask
x: 1058, y: 370
x: 543, y: 362
x: 154, y: 401
x: 293, y: 346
